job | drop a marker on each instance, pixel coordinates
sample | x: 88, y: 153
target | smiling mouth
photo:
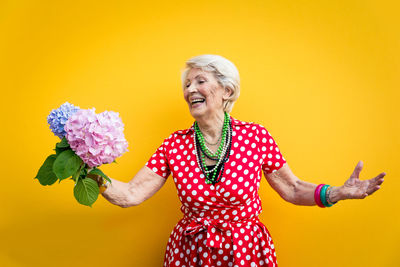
x: 197, y: 101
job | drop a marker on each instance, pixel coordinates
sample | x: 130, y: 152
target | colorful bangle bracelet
x: 323, y: 196
x: 328, y: 193
x: 103, y: 187
x: 317, y: 197
x: 105, y: 182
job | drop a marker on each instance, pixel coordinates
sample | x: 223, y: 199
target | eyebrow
x: 195, y: 77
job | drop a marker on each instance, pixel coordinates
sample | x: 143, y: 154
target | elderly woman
x: 216, y: 165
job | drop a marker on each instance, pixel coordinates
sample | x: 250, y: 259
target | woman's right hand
x: 99, y: 180
x: 354, y: 188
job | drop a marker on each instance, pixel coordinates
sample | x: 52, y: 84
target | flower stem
x: 77, y: 174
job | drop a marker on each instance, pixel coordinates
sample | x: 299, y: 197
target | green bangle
x: 328, y: 192
x: 323, y: 196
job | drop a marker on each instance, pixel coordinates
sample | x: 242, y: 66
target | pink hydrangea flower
x: 96, y: 138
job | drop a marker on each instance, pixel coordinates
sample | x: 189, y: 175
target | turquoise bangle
x: 328, y: 192
x: 323, y: 196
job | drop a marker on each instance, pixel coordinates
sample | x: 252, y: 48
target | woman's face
x: 203, y: 94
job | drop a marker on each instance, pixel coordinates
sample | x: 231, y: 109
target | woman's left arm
x: 299, y: 192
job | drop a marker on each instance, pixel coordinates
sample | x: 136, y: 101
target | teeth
x: 197, y: 100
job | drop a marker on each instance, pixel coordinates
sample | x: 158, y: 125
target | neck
x: 211, y: 126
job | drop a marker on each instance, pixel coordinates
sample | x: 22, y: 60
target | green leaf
x: 77, y: 174
x: 66, y: 164
x: 83, y: 171
x: 59, y: 150
x: 62, y: 146
x: 86, y: 191
x: 63, y: 143
x: 100, y: 173
x: 45, y: 175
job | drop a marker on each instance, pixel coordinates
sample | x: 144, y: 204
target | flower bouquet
x: 88, y: 140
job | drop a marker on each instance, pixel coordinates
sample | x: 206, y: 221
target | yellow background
x: 321, y: 76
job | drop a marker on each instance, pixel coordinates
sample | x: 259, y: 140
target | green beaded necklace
x: 206, y: 152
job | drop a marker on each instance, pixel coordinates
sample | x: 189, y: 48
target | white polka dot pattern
x: 272, y: 157
x: 220, y: 226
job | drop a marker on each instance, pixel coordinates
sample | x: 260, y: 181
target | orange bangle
x: 103, y: 187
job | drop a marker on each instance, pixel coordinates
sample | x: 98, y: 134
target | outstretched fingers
x: 357, y: 170
x: 379, y: 178
x: 375, y: 183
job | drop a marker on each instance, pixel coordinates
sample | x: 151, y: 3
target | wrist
x: 103, y: 185
x: 335, y: 194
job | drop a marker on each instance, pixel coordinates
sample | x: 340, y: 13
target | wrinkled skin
x: 354, y: 188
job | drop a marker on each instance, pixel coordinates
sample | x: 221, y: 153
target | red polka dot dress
x: 220, y: 226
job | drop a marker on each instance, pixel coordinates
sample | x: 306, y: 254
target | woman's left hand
x: 354, y: 188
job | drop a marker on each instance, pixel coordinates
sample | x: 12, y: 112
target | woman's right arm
x: 143, y: 185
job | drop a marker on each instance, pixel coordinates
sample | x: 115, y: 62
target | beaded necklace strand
x: 208, y: 143
x: 221, y: 155
x: 209, y: 177
x: 203, y: 146
x: 226, y: 157
x: 219, y: 159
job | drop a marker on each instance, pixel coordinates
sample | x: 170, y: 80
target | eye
x: 200, y: 82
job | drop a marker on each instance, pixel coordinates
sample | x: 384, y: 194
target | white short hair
x: 224, y: 71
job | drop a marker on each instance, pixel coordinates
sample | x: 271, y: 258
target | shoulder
x: 256, y: 127
x: 183, y: 132
x: 240, y: 123
x: 179, y: 135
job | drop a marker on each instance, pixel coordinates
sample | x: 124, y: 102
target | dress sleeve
x: 158, y: 162
x: 271, y: 155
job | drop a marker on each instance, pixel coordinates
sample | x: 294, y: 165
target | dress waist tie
x: 215, y: 229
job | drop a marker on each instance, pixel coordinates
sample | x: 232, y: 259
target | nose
x: 191, y: 88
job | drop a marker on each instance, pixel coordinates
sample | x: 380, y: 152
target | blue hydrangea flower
x: 58, y: 117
